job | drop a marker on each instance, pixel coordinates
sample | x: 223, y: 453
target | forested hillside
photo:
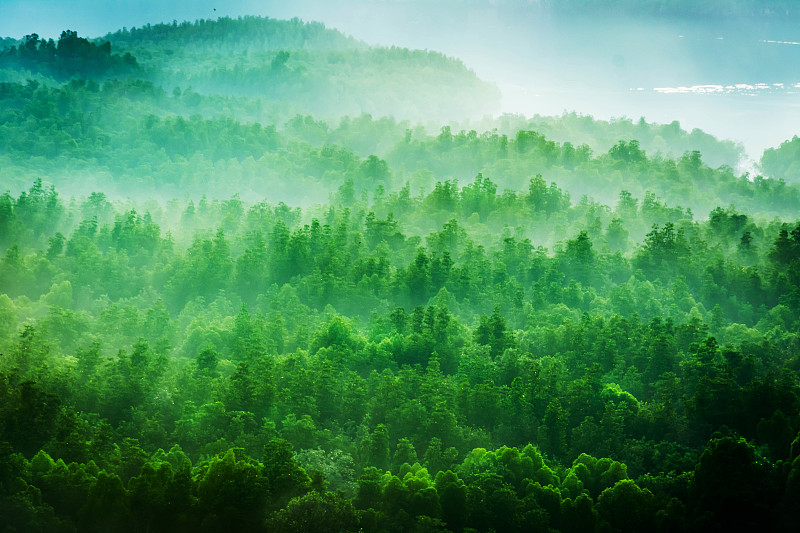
x: 783, y: 161
x: 227, y: 304
x: 308, y: 67
x: 131, y: 138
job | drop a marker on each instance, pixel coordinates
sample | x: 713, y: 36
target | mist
x: 605, y: 65
x: 607, y: 61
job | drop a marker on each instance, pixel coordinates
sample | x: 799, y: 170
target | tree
x: 730, y: 488
x: 316, y: 512
x: 285, y: 478
x: 453, y: 499
x: 374, y: 450
x: 492, y: 331
x: 628, y: 152
x: 233, y: 491
x: 627, y: 507
x: 578, y: 261
x: 106, y: 507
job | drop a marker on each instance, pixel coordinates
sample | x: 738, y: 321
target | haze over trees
x: 257, y: 275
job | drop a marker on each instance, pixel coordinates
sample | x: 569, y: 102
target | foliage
x: 506, y: 353
x: 69, y: 56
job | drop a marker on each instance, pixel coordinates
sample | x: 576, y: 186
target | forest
x: 227, y: 304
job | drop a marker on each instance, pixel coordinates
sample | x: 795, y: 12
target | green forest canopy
x: 474, y: 327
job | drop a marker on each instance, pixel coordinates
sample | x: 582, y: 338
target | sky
x: 608, y: 68
x: 93, y: 18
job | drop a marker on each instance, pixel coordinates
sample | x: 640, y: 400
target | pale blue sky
x: 402, y: 22
x: 93, y: 18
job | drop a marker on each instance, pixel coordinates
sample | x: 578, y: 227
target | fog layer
x: 605, y: 64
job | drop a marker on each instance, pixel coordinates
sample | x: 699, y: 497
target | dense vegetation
x: 452, y: 331
x: 392, y: 351
x: 783, y: 161
x: 130, y: 137
x: 308, y: 68
x: 69, y: 56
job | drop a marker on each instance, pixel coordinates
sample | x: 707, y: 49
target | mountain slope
x: 317, y: 69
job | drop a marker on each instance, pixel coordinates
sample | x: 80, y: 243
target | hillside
x: 132, y: 138
x: 313, y: 69
x: 166, y: 106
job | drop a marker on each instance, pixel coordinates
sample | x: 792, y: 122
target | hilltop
x: 308, y: 67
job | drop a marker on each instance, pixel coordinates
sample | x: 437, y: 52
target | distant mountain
x: 243, y: 33
x: 308, y: 66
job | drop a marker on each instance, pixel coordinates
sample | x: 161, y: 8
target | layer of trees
x: 665, y: 139
x: 70, y: 56
x: 133, y: 138
x: 219, y: 365
x: 782, y: 161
